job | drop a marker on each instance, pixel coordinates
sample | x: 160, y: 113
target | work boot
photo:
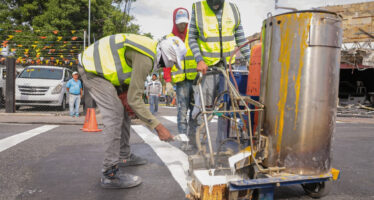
x: 133, y: 160
x: 113, y: 179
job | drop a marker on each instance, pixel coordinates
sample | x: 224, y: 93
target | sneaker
x: 120, y: 181
x: 132, y: 161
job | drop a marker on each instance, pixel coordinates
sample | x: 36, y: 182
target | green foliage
x: 37, y: 21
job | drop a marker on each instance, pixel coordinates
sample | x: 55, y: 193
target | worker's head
x: 154, y: 77
x: 173, y: 51
x: 215, y: 4
x: 75, y: 75
x: 181, y: 19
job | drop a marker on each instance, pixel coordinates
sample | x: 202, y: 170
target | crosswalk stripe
x: 171, y: 118
x: 13, y: 140
x: 174, y: 119
x: 176, y: 162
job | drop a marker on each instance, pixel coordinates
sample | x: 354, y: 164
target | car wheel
x: 63, y: 104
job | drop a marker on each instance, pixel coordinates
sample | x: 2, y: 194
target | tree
x: 54, y: 28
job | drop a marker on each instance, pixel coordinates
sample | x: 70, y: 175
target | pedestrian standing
x: 74, y: 88
x: 154, y: 92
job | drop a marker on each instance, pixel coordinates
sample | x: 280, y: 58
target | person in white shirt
x: 154, y: 92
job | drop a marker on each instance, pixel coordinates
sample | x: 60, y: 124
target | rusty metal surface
x: 299, y: 87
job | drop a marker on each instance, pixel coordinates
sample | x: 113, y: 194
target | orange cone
x: 92, y: 123
x: 173, y: 102
x: 85, y: 125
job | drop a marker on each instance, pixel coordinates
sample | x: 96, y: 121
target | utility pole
x: 89, y: 23
x: 10, y: 99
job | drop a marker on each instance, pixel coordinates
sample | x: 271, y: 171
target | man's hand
x: 163, y: 133
x: 202, y: 67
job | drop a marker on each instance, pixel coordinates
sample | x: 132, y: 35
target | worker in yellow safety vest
x: 215, y: 31
x: 184, y: 77
x: 119, y: 64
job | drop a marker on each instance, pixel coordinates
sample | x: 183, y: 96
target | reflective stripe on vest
x: 106, y: 57
x: 210, y: 37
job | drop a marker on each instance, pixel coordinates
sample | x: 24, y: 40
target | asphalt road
x: 61, y: 162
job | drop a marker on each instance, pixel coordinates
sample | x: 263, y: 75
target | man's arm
x: 240, y: 39
x: 141, y: 65
x: 193, y: 34
x: 68, y: 86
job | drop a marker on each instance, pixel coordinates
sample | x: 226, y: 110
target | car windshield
x: 42, y: 73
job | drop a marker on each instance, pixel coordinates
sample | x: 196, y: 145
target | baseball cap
x: 173, y: 51
x: 181, y: 16
x: 75, y: 72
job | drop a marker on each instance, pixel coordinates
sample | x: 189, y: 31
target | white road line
x: 8, y: 142
x: 174, y: 119
x: 175, y: 159
x: 171, y: 118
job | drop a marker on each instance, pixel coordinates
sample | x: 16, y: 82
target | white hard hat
x: 173, y: 51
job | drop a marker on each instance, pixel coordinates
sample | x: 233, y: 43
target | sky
x: 155, y: 16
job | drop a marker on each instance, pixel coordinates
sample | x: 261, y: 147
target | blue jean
x: 153, y: 103
x: 184, y: 97
x: 74, y: 102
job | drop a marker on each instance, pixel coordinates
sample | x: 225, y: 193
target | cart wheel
x: 317, y: 190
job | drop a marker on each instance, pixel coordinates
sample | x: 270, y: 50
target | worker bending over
x: 118, y: 64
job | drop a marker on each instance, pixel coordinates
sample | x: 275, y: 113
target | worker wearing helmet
x: 118, y: 64
x: 215, y: 31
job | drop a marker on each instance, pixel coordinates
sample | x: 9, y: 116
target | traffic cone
x: 92, y: 123
x: 173, y: 102
x: 86, y: 119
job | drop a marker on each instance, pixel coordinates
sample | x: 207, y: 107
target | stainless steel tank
x: 299, y: 87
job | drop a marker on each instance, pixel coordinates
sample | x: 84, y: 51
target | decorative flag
x: 18, y: 31
x: 10, y: 37
x: 55, y: 32
x: 34, y: 46
x: 43, y: 37
x: 73, y: 31
x: 74, y: 38
x: 19, y: 45
x: 59, y: 38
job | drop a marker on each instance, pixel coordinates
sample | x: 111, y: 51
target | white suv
x: 42, y: 86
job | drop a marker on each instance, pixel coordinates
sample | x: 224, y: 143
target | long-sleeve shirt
x: 141, y: 66
x: 194, y: 34
x: 154, y: 88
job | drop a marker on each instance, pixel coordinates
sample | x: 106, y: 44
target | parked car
x: 42, y: 86
x: 3, y: 81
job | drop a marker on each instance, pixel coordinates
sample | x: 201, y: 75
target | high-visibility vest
x: 106, y: 57
x: 214, y: 43
x: 189, y: 66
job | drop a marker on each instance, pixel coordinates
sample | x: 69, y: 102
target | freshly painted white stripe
x: 174, y: 119
x: 8, y: 142
x: 171, y: 118
x: 175, y: 159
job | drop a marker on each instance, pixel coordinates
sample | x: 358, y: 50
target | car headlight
x: 57, y: 89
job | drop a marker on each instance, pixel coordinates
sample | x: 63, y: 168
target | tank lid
x: 304, y: 11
